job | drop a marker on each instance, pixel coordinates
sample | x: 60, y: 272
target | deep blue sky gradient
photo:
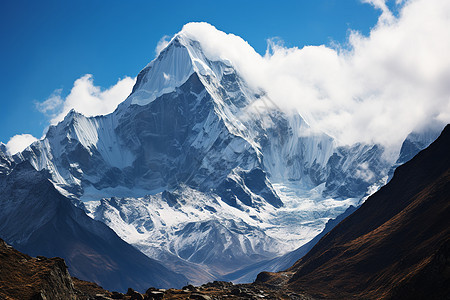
x: 47, y: 45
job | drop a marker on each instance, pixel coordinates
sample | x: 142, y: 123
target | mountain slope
x: 36, y: 219
x: 396, y: 245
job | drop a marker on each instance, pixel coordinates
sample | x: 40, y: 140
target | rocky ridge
x: 25, y: 277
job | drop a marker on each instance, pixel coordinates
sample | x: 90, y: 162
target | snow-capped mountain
x: 202, y: 171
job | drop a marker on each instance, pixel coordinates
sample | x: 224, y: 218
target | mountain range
x: 395, y: 246
x: 196, y: 169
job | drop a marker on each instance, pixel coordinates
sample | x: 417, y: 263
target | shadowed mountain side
x: 36, y: 219
x: 395, y: 246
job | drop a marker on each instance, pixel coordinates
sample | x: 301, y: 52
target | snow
x: 172, y: 68
x: 304, y: 216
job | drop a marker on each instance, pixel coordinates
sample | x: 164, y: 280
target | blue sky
x: 47, y: 45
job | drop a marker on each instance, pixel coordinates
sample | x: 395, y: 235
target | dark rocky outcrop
x: 25, y: 277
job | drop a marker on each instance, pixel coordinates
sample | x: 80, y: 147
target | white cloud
x: 19, y: 142
x: 383, y: 87
x: 53, y: 103
x: 363, y: 172
x: 86, y: 98
x: 386, y: 14
x: 163, y: 42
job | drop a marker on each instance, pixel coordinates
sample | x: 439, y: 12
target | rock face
x: 25, y: 277
x: 36, y: 219
x: 395, y: 246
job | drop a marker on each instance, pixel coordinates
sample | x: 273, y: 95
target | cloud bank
x: 374, y: 89
x: 86, y: 98
x: 19, y: 142
x: 377, y: 89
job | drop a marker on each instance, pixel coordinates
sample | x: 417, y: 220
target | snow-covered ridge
x: 168, y: 71
x: 173, y: 66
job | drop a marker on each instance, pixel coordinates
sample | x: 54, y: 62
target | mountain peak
x: 183, y: 56
x: 169, y: 70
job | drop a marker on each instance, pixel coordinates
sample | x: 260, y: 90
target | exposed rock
x: 190, y: 287
x: 134, y: 295
x: 226, y: 290
x: 199, y: 296
x: 24, y: 277
x: 154, y: 295
x: 102, y: 297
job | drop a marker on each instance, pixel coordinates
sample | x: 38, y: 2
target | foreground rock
x: 210, y: 291
x: 24, y: 277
